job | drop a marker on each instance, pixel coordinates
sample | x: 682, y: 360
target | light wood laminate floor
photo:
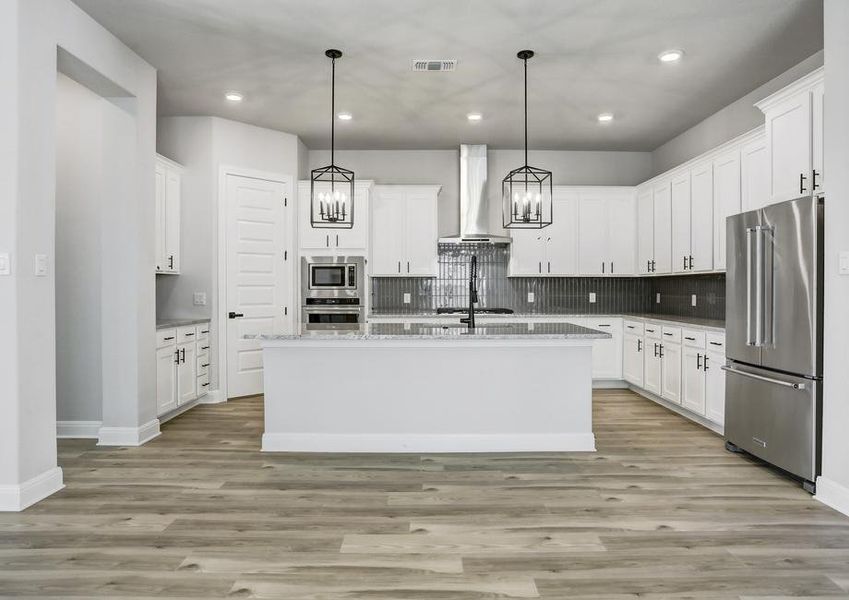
x: 660, y: 511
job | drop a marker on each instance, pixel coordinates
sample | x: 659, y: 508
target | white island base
x: 428, y: 394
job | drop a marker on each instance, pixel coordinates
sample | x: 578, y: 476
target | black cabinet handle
x: 639, y: 345
x: 685, y: 263
x: 177, y: 357
x: 666, y: 333
x: 189, y: 334
x: 705, y: 367
x: 802, y: 179
x: 204, y: 347
x: 715, y: 344
x: 814, y: 184
x: 205, y: 331
x: 235, y: 315
x: 661, y: 351
x: 692, y: 339
x: 698, y: 361
x: 648, y: 266
x: 691, y: 262
x: 629, y: 326
x: 602, y: 266
x: 204, y: 384
x: 171, y: 262
x: 611, y: 267
x: 653, y: 266
x: 205, y: 365
x: 168, y: 338
x: 603, y: 325
x: 183, y: 357
x: 655, y: 349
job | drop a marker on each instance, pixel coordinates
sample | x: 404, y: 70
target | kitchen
x: 459, y: 320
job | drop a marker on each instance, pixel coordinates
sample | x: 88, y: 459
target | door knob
x: 235, y: 315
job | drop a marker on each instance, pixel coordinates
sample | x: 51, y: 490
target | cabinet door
x: 166, y: 379
x: 388, y: 227
x: 693, y: 380
x: 420, y: 234
x: 671, y: 372
x: 621, y: 235
x: 788, y: 133
x: 632, y: 360
x: 817, y: 138
x: 701, y: 218
x: 356, y: 237
x: 754, y: 175
x: 159, y: 250
x: 592, y: 236
x: 561, y: 245
x: 680, y: 198
x: 171, y: 252
x: 645, y: 230
x: 527, y: 252
x: 715, y: 388
x: 726, y: 200
x: 310, y: 238
x: 607, y: 354
x: 652, y: 371
x: 662, y: 228
x: 187, y: 373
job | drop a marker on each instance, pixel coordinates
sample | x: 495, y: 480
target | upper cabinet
x: 404, y: 231
x: 662, y: 261
x: 606, y: 231
x: 553, y: 250
x: 794, y: 126
x: 335, y: 241
x: 726, y: 199
x: 754, y: 174
x: 645, y: 229
x: 169, y: 177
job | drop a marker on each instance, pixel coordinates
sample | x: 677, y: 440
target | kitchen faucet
x: 473, y: 292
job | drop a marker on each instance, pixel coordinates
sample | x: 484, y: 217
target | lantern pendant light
x: 526, y: 192
x: 332, y: 187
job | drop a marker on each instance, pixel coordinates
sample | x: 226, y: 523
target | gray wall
x: 735, y: 119
x: 442, y: 167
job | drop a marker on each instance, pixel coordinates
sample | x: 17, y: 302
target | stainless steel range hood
x: 474, y: 200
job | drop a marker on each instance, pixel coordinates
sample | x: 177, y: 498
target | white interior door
x: 258, y: 277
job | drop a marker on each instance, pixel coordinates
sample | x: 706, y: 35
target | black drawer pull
x: 666, y: 333
x: 205, y: 331
x: 715, y: 344
x: 204, y: 347
x: 168, y: 338
x: 204, y: 384
x: 205, y: 365
x: 188, y: 334
x: 603, y: 325
x: 692, y: 339
x: 630, y: 326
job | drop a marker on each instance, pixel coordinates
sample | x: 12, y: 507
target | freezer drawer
x: 776, y: 417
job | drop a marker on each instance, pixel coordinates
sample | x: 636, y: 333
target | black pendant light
x: 526, y: 191
x: 332, y: 187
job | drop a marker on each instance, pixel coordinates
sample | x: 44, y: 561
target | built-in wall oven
x: 332, y: 292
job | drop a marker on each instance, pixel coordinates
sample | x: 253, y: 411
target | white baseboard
x: 610, y: 384
x: 213, y: 397
x: 128, y: 436
x: 706, y: 423
x: 428, y: 443
x: 19, y: 497
x: 833, y: 494
x: 78, y: 429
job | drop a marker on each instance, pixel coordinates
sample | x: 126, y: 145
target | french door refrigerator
x: 774, y: 308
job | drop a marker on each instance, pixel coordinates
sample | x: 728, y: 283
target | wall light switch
x: 5, y: 264
x: 407, y: 298
x: 592, y: 297
x: 657, y: 300
x: 843, y: 263
x: 41, y: 265
x: 200, y: 298
x: 531, y: 297
x: 693, y: 299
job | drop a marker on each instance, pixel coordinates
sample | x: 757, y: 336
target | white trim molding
x: 706, y: 423
x: 396, y: 443
x: 78, y: 429
x: 14, y: 498
x: 213, y: 397
x: 128, y: 436
x: 833, y: 494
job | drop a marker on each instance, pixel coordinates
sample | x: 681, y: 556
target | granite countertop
x: 168, y: 323
x: 391, y: 331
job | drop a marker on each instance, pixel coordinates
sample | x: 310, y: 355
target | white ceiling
x: 592, y: 56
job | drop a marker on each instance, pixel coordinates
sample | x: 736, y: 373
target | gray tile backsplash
x: 552, y: 295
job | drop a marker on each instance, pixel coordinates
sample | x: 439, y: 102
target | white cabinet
x: 187, y: 373
x: 182, y: 365
x: 527, y: 252
x: 726, y: 200
x: 645, y: 230
x: 670, y: 355
x: 754, y: 174
x: 606, y: 232
x: 166, y: 379
x: 551, y: 251
x: 701, y: 218
x: 680, y: 201
x: 632, y: 360
x: 404, y: 231
x: 335, y: 241
x: 693, y: 379
x: 715, y: 378
x: 168, y: 198
x: 607, y: 353
x: 662, y: 262
x: 653, y: 369
x: 794, y: 136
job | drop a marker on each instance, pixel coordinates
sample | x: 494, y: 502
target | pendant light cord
x: 333, y: 111
x: 526, y: 111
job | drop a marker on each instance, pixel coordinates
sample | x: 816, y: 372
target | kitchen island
x: 431, y: 387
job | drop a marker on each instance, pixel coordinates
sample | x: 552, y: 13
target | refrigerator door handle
x: 750, y: 338
x: 767, y: 295
x: 795, y: 386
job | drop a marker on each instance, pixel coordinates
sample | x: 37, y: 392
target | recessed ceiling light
x: 605, y: 117
x: 234, y: 96
x: 670, y: 56
x: 474, y: 117
x: 345, y: 116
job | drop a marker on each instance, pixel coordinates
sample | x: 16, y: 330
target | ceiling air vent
x: 434, y: 65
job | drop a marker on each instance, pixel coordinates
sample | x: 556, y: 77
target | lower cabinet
x: 670, y: 358
x: 182, y: 366
x: 693, y: 380
x: 715, y: 379
x: 607, y: 354
x: 632, y: 359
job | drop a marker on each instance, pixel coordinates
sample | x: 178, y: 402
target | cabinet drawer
x: 203, y: 385
x: 635, y: 327
x: 716, y: 342
x: 653, y: 330
x: 186, y: 334
x: 671, y: 334
x: 611, y: 326
x: 203, y: 365
x: 693, y: 338
x: 202, y: 332
x: 165, y: 338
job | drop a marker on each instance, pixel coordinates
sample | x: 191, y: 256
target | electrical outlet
x: 41, y: 265
x: 693, y: 299
x: 531, y: 297
x: 200, y: 298
x: 407, y: 298
x: 592, y: 297
x: 5, y: 264
x: 657, y: 300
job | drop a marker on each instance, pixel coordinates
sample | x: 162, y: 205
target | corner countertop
x: 444, y: 331
x: 168, y: 323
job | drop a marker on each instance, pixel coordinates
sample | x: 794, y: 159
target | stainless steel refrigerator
x: 774, y: 308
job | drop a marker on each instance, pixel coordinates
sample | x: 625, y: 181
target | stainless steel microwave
x: 331, y: 274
